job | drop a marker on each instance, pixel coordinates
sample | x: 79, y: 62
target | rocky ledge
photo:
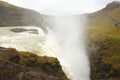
x: 18, y: 65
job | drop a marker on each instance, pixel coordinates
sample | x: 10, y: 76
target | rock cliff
x: 18, y: 65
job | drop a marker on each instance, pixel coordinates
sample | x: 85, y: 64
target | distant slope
x: 104, y: 42
x: 101, y: 18
x: 11, y: 15
x: 105, y: 21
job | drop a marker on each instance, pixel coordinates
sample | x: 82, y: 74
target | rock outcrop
x: 17, y: 65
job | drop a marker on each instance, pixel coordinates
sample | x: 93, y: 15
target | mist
x: 68, y: 36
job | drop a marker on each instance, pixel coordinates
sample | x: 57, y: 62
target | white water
x: 69, y: 38
x: 25, y: 41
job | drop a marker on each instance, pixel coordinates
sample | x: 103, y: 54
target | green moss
x: 104, y: 43
x: 105, y: 58
x: 48, y: 65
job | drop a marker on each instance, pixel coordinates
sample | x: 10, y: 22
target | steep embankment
x: 18, y: 65
x: 104, y: 42
x: 11, y: 15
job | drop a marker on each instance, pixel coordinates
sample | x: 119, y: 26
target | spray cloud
x: 69, y: 36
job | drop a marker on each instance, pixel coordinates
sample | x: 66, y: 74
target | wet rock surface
x: 19, y: 30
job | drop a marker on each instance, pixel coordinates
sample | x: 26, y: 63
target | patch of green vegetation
x: 104, y: 43
x: 46, y: 64
x: 105, y: 54
x: 43, y: 64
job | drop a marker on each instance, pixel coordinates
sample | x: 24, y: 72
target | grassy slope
x: 104, y: 38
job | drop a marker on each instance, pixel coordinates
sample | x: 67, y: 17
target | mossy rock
x: 28, y: 63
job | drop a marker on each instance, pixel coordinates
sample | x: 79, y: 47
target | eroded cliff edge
x: 18, y: 65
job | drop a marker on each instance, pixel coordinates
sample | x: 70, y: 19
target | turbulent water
x: 33, y: 40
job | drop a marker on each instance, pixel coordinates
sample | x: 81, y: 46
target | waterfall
x: 67, y: 33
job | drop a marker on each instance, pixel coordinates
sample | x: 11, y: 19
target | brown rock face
x: 11, y: 71
x: 15, y: 65
x: 9, y: 54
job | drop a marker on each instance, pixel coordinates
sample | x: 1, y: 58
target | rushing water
x: 31, y: 41
x: 69, y: 38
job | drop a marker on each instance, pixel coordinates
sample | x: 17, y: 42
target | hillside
x: 104, y: 17
x: 104, y: 42
x: 11, y: 15
x: 19, y: 65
